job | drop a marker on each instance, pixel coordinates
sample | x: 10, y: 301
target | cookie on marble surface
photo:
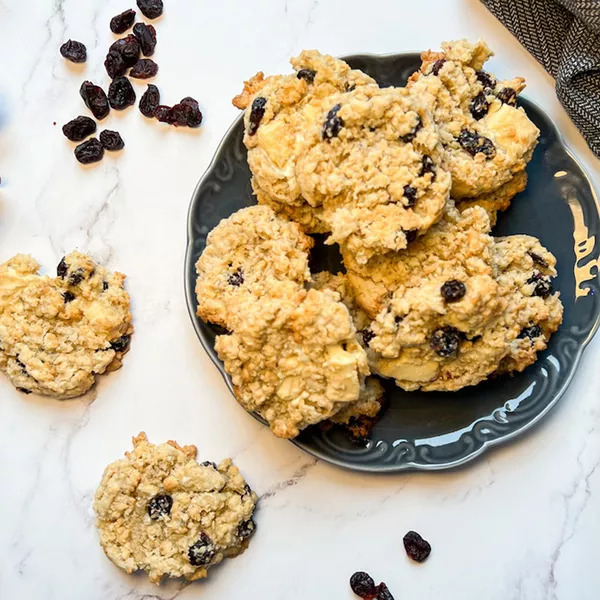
x: 57, y: 334
x: 279, y: 111
x: 372, y: 162
x: 295, y: 361
x: 160, y: 511
x: 486, y: 138
x: 249, y: 256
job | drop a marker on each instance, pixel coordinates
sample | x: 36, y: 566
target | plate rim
x: 408, y: 466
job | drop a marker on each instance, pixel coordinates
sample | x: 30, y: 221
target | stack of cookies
x: 408, y: 182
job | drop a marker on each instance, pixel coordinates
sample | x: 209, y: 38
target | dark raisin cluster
x: 416, y: 547
x: 362, y: 585
x: 474, y: 143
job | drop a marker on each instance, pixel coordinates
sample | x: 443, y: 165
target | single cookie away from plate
x: 248, y: 257
x: 58, y: 333
x: 486, y: 138
x: 160, y: 511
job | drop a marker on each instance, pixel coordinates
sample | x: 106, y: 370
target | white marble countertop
x: 521, y: 522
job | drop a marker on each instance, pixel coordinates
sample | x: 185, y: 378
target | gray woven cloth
x: 564, y: 36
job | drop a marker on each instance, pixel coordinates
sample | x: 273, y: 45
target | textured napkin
x: 564, y: 36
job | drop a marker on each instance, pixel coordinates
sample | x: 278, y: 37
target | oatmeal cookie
x: 245, y: 257
x: 372, y: 162
x: 486, y: 138
x: 280, y: 108
x: 160, y: 511
x: 295, y: 361
x: 57, y: 334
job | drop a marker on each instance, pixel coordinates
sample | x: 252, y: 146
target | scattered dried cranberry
x: 62, y: 268
x: 543, y: 285
x: 307, y: 74
x: 333, y: 123
x: 367, y: 336
x: 410, y: 193
x: 474, y: 143
x: 129, y: 48
x: 89, y: 152
x: 437, y: 65
x: 121, y: 344
x: 185, y: 114
x: 121, y: 23
x: 95, y: 99
x: 163, y: 114
x: 202, y: 552
x: 149, y: 101
x: 416, y: 547
x: 507, y: 96
x: 536, y: 258
x: 146, y: 35
x: 74, y: 51
x: 111, y: 140
x: 362, y: 584
x: 151, y: 8
x: 114, y: 64
x: 246, y: 529
x: 257, y: 112
x: 121, y: 93
x: 531, y: 332
x: 68, y: 296
x: 383, y: 593
x: 445, y: 340
x: 486, y: 80
x: 236, y: 278
x: 479, y: 106
x: 427, y: 166
x: 79, y: 128
x: 159, y: 506
x: 411, y: 135
x: 144, y: 69
x: 453, y: 290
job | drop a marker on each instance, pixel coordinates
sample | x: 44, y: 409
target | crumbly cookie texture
x: 160, y: 511
x: 57, y: 334
x: 295, y: 363
x: 279, y: 111
x: 246, y: 257
x: 486, y: 138
x: 372, y: 162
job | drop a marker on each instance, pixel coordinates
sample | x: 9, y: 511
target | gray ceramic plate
x: 441, y: 430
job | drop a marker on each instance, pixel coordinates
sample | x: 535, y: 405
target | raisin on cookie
x: 57, y: 334
x: 160, y: 511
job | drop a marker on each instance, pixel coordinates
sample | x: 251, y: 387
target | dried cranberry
x: 411, y: 235
x: 479, y: 106
x: 416, y: 547
x: 474, y: 143
x: 427, y: 166
x: 453, y: 290
x: 362, y: 584
x: 185, y: 114
x: 89, y: 152
x: 367, y: 336
x: 146, y: 35
x: 74, y: 51
x: 121, y: 344
x: 95, y: 99
x: 383, y: 593
x: 486, y: 80
x: 257, y: 112
x: 444, y: 341
x: 68, y: 296
x: 129, y: 49
x: 149, y: 101
x: 76, y: 277
x: 543, y: 285
x: 62, y: 268
x: 121, y: 23
x: 333, y: 123
x: 532, y: 332
x: 111, y: 140
x: 507, y: 96
x: 121, y: 93
x: 144, y: 69
x: 163, y: 114
x: 236, y: 278
x: 307, y: 74
x: 246, y: 529
x: 159, y: 506
x: 536, y: 258
x: 114, y: 64
x: 410, y: 193
x: 202, y: 552
x: 151, y: 8
x: 411, y: 135
x: 437, y: 65
x: 79, y: 128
